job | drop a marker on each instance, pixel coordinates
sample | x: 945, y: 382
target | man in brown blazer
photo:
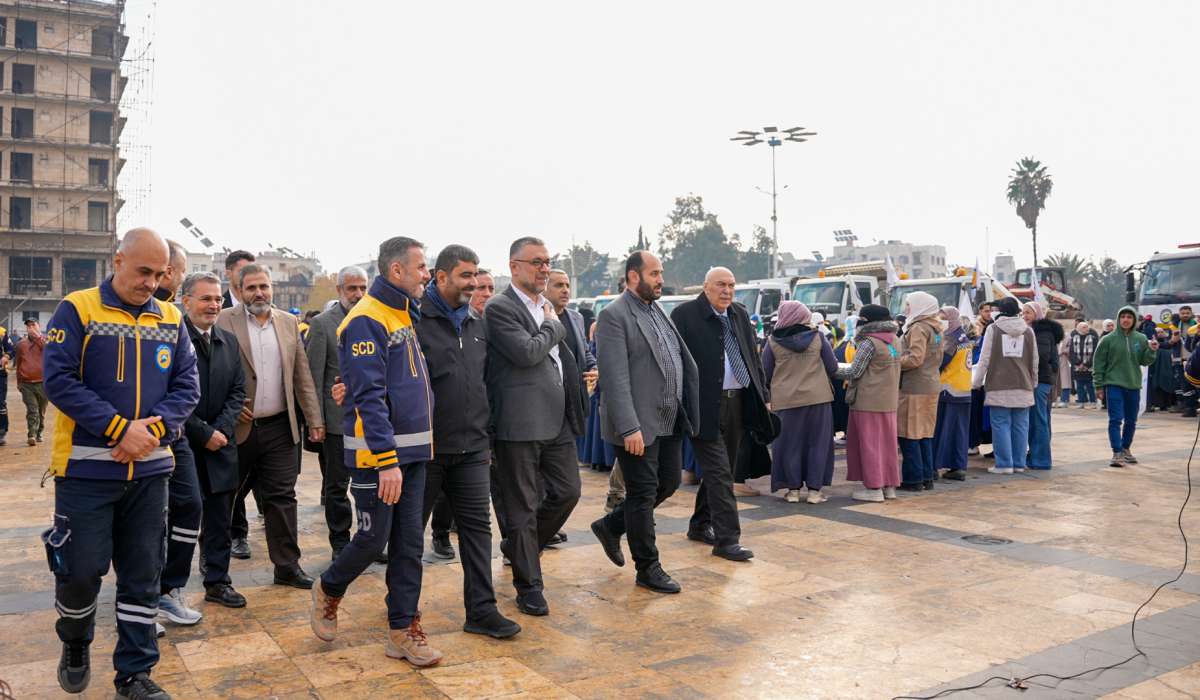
x: 277, y: 378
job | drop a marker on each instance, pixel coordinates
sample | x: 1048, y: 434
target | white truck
x: 838, y: 296
x: 763, y: 297
x: 1168, y: 281
x: 949, y: 290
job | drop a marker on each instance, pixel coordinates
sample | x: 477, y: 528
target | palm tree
x: 1075, y: 269
x: 1028, y: 189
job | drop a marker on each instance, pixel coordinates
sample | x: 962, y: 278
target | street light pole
x: 774, y: 137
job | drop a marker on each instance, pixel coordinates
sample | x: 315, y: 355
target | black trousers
x: 443, y: 515
x: 497, y: 499
x: 215, y: 538
x: 463, y: 484
x: 183, y: 519
x: 649, y: 480
x: 715, y: 504
x: 267, y: 465
x: 531, y: 524
x: 335, y: 482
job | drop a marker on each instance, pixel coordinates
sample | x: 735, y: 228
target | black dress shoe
x: 442, y: 549
x: 224, y: 594
x: 557, y: 538
x: 533, y: 603
x: 610, y: 542
x: 912, y: 487
x: 707, y: 536
x: 74, y: 667
x: 295, y: 578
x: 240, y: 549
x: 493, y: 625
x: 657, y: 580
x: 733, y: 552
x: 955, y: 475
x: 927, y: 484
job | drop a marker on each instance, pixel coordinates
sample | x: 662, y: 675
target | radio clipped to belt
x: 54, y: 539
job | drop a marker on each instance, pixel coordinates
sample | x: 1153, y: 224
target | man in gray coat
x: 538, y: 406
x: 649, y: 399
x: 323, y: 362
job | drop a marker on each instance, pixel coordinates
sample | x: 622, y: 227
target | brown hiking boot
x: 323, y: 614
x: 412, y: 645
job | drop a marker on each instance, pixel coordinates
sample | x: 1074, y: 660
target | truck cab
x: 949, y: 290
x: 836, y: 297
x: 763, y: 297
x: 1168, y: 282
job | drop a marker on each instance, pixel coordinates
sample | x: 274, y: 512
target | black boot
x: 74, y: 667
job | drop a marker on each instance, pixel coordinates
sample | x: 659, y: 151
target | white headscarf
x: 919, y: 305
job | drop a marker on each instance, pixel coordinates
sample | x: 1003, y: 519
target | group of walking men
x: 422, y: 386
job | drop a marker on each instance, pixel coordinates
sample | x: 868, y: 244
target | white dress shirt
x: 268, y: 366
x: 536, y: 308
x: 730, y: 381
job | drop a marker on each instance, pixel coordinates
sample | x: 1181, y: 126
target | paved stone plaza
x: 844, y: 600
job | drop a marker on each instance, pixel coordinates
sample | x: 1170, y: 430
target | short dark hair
x: 634, y: 263
x: 452, y: 255
x: 517, y: 245
x: 1185, y: 306
x: 237, y: 256
x: 310, y: 313
x: 393, y: 249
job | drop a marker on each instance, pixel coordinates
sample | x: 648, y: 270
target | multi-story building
x: 60, y: 86
x: 292, y: 275
x: 1005, y: 268
x: 919, y: 261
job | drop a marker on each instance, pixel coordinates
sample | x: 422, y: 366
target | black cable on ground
x: 1021, y: 683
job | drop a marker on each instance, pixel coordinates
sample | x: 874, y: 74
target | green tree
x: 692, y: 241
x: 753, y: 261
x: 589, y: 267
x: 1105, y: 289
x: 1028, y: 188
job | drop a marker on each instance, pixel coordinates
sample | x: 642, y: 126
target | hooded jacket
x: 791, y: 361
x: 1048, y: 334
x: 1121, y: 355
x: 1020, y: 336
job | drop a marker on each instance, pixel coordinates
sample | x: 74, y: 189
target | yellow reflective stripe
x: 112, y: 424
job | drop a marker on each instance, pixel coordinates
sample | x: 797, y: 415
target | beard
x: 258, y: 308
x: 648, y: 291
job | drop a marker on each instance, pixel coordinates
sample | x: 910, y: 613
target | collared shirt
x: 268, y: 367
x: 730, y: 381
x: 538, y: 312
x: 666, y: 350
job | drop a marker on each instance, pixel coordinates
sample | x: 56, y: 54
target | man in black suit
x: 209, y: 431
x: 732, y: 389
x: 234, y: 262
x: 538, y: 407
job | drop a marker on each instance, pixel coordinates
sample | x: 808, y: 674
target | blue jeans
x: 918, y: 461
x: 1085, y: 391
x: 97, y: 522
x: 1039, y: 429
x: 1065, y: 395
x: 399, y: 527
x: 1122, y: 406
x: 1010, y: 435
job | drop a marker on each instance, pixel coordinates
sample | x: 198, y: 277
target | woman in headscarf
x: 799, y: 363
x: 874, y: 391
x: 1049, y: 335
x: 1007, y: 369
x: 1062, y: 382
x: 981, y: 426
x: 952, y: 434
x: 920, y: 384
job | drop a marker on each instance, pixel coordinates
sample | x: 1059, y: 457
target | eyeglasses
x: 536, y: 263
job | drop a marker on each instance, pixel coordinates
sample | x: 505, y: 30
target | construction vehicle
x: 1053, y: 282
x: 1167, y: 282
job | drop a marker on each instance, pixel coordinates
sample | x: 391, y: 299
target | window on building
x: 916, y: 258
x: 98, y: 171
x: 3, y: 31
x: 20, y: 166
x: 102, y: 42
x: 903, y: 259
x: 20, y: 210
x: 22, y: 78
x: 97, y: 216
x: 22, y: 123
x: 26, y: 34
x: 78, y: 273
x: 29, y: 275
x: 101, y: 84
x: 100, y: 127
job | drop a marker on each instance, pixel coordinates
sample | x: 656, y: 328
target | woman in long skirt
x: 873, y: 394
x: 950, y: 437
x: 798, y: 361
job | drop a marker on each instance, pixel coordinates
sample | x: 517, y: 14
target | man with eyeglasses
x: 538, y: 408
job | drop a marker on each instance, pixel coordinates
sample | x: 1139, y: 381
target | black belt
x: 282, y: 415
x: 731, y: 393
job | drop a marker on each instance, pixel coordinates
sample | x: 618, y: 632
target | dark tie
x: 205, y: 343
x: 736, y: 364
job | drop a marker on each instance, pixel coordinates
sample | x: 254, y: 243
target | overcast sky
x: 329, y: 126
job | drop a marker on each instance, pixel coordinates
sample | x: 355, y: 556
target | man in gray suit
x: 649, y: 398
x: 538, y: 407
x: 323, y: 362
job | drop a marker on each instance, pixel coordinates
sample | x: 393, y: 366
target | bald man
x: 124, y: 380
x: 721, y: 339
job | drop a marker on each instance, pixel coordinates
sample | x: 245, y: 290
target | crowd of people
x: 428, y: 396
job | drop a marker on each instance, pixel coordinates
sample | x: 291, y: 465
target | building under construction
x: 60, y: 123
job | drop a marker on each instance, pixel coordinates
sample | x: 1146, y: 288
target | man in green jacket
x: 1117, y: 371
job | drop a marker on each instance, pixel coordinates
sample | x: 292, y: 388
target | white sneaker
x: 974, y: 451
x: 793, y: 496
x: 839, y: 442
x: 174, y: 608
x: 816, y: 497
x: 1000, y: 470
x: 1019, y: 470
x: 889, y: 492
x: 159, y: 631
x: 870, y: 495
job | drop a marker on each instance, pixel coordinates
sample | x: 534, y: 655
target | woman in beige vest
x: 799, y: 363
x: 920, y: 384
x: 1007, y: 369
x: 873, y: 393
